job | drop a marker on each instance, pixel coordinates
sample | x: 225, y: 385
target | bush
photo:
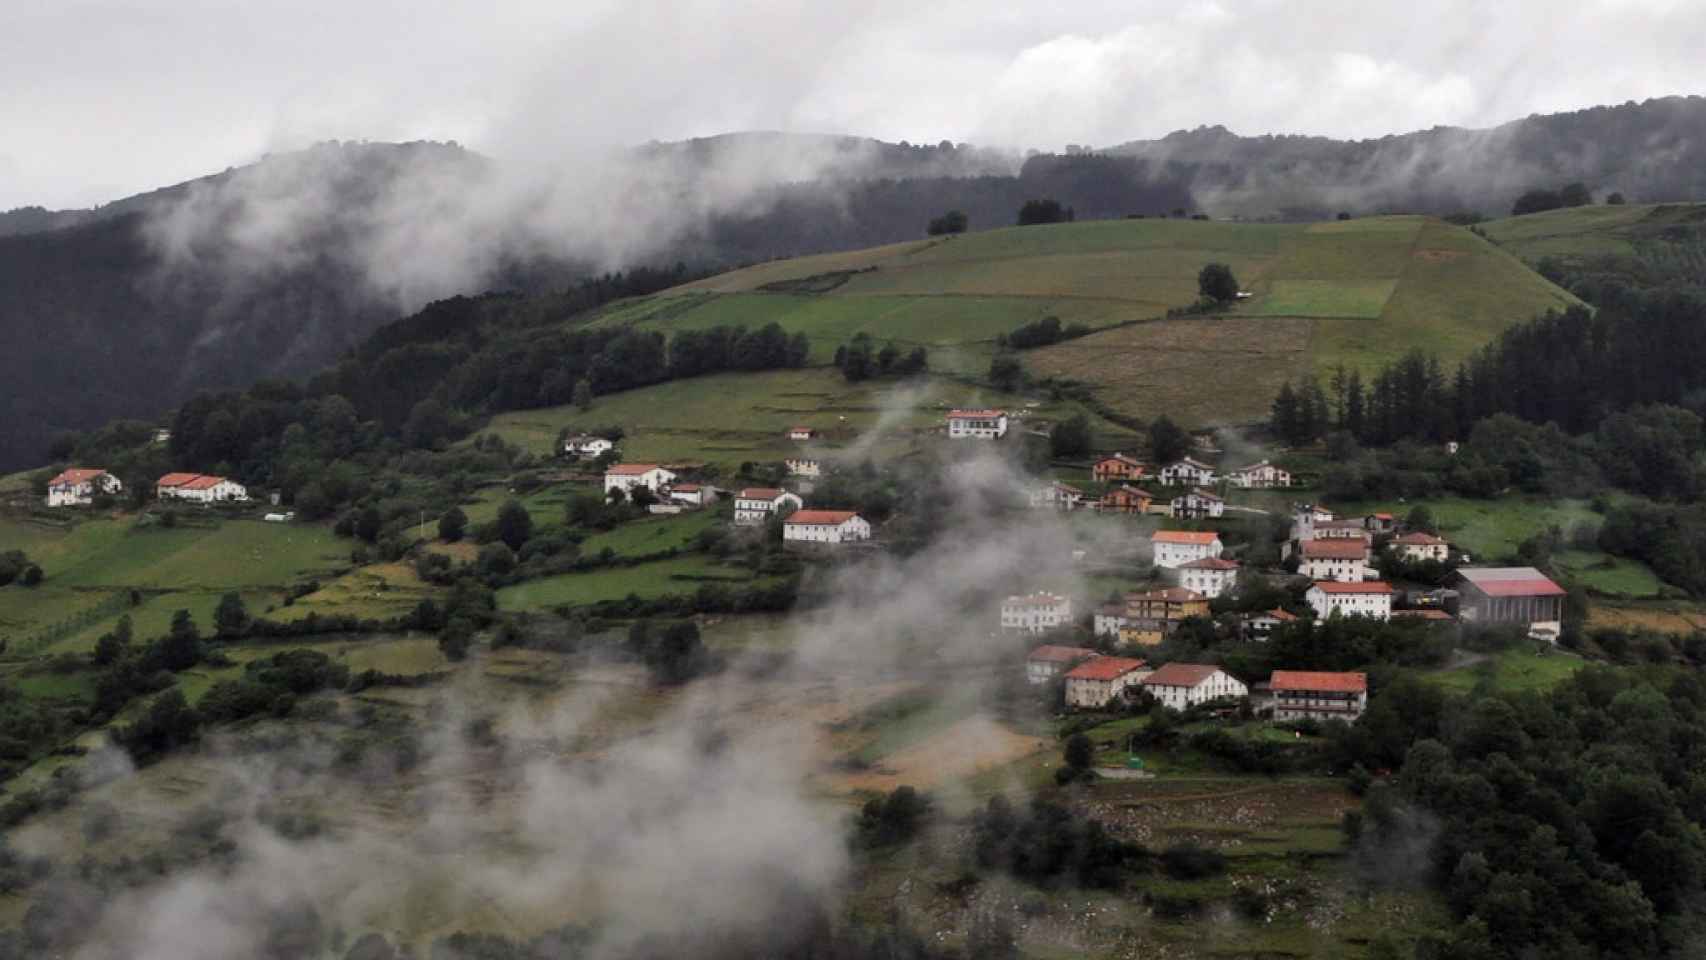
x: 1217, y: 283
x: 1188, y: 861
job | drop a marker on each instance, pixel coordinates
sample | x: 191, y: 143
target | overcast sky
x: 103, y: 98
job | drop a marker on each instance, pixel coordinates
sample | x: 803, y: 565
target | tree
x: 1080, y: 752
x: 455, y: 639
x: 1536, y: 201
x: 180, y: 648
x: 583, y: 393
x: 1615, y: 199
x: 1041, y: 211
x: 886, y: 357
x: 1575, y: 195
x: 496, y: 559
x: 1420, y: 518
x: 1070, y: 437
x: 1216, y: 282
x: 954, y: 221
x: 1005, y: 371
x: 1167, y: 440
x: 231, y: 617
x: 31, y: 576
x: 452, y: 525
x: 515, y: 524
x: 368, y: 523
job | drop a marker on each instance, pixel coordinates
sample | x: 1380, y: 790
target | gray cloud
x: 105, y: 99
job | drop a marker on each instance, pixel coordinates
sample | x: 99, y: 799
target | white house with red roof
x: 1198, y: 504
x: 1183, y: 685
x: 1175, y: 548
x: 199, y: 488
x: 1259, y: 626
x: 1036, y: 612
x: 1335, y: 559
x: 1100, y: 681
x: 587, y: 445
x: 1417, y: 546
x: 1368, y: 598
x: 1056, y: 495
x: 1259, y: 476
x: 626, y: 476
x: 1051, y: 660
x: 1210, y: 576
x: 1188, y: 472
x: 1318, y: 695
x: 77, y: 486
x: 825, y: 527
x: 758, y: 504
x: 801, y: 433
x: 985, y: 424
x: 809, y: 467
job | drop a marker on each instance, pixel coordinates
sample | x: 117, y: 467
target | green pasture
x: 654, y: 579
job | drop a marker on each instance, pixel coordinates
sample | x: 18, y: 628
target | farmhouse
x: 1339, y: 530
x: 1036, y: 612
x: 1259, y: 626
x: 1371, y: 598
x: 1109, y: 619
x: 1177, y: 547
x: 803, y: 467
x: 1117, y: 467
x: 1056, y: 495
x: 1198, y: 503
x: 1210, y: 576
x: 1259, y: 476
x: 801, y: 433
x: 1417, y: 546
x: 626, y: 476
x: 987, y: 424
x: 1125, y: 499
x: 1100, y: 681
x: 1182, y: 685
x: 587, y: 445
x: 825, y: 527
x: 199, y: 488
x: 1520, y: 595
x: 1051, y: 660
x: 758, y: 504
x: 1318, y: 695
x: 1152, y: 615
x: 692, y: 493
x: 1345, y: 560
x: 78, y: 485
x: 1380, y: 523
x: 1188, y: 472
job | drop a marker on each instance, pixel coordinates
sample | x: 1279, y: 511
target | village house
x: 1260, y: 626
x: 758, y: 504
x: 1198, y: 504
x: 1340, y: 530
x: 1108, y: 620
x: 1152, y: 615
x: 1051, y: 660
x: 692, y: 493
x: 1210, y: 576
x: 1188, y: 472
x: 1056, y: 495
x: 1259, y: 476
x: 1519, y: 595
x: 1036, y: 612
x: 199, y: 488
x: 801, y: 433
x: 1097, y: 682
x: 626, y: 476
x: 1417, y: 547
x: 1174, y: 548
x: 1184, y: 685
x: 77, y: 486
x: 825, y: 527
x: 1345, y: 560
x: 1125, y: 499
x: 986, y: 424
x: 1380, y: 523
x: 803, y: 467
x: 1318, y: 695
x: 1117, y: 467
x: 587, y: 445
x: 1305, y: 517
x: 1370, y: 598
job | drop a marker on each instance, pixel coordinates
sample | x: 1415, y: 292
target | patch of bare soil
x: 969, y: 747
x: 1438, y: 256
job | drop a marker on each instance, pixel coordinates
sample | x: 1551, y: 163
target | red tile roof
x: 1511, y: 582
x: 1181, y: 675
x: 1319, y: 680
x: 1122, y: 458
x: 1283, y: 616
x: 1418, y: 539
x: 1204, y: 537
x: 686, y: 487
x: 832, y: 517
x: 1367, y: 586
x: 1439, y: 615
x: 975, y: 414
x: 1105, y: 668
x: 1335, y: 549
x: 1210, y: 563
x: 760, y: 493
x: 202, y: 483
x: 175, y: 479
x: 631, y: 469
x: 75, y: 475
x: 1055, y: 653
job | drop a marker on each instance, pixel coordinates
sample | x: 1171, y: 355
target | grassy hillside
x: 1593, y: 231
x: 1357, y: 292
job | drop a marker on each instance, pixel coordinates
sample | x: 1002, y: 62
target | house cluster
x: 1122, y: 475
x: 1093, y: 681
x: 199, y: 488
x: 78, y: 486
x: 1036, y: 613
x: 1147, y: 617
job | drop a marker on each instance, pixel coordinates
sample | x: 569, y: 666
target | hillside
x: 1357, y: 292
x: 1594, y: 248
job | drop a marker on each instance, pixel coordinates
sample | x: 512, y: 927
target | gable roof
x: 1418, y: 539
x: 686, y: 488
x: 1210, y: 563
x: 1034, y: 600
x: 1122, y: 458
x: 1198, y: 537
x: 1066, y: 487
x: 1511, y: 581
x: 1105, y: 668
x: 1319, y: 680
x: 832, y: 517
x: 1367, y: 586
x: 1200, y: 494
x: 175, y: 479
x: 760, y: 493
x: 1181, y: 675
x: 1335, y: 548
x: 202, y: 482
x: 1189, y: 462
x: 75, y: 475
x: 1258, y: 465
x: 631, y: 469
x: 1056, y: 653
x: 975, y: 414
x: 1283, y: 616
x: 1166, y: 594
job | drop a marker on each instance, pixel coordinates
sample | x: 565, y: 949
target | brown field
x: 1644, y: 618
x: 974, y: 745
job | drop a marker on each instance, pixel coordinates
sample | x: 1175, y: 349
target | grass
x: 380, y: 592
x: 1592, y: 231
x: 1490, y: 530
x: 1606, y: 574
x: 1517, y: 669
x: 655, y: 579
x: 652, y: 534
x: 903, y: 720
